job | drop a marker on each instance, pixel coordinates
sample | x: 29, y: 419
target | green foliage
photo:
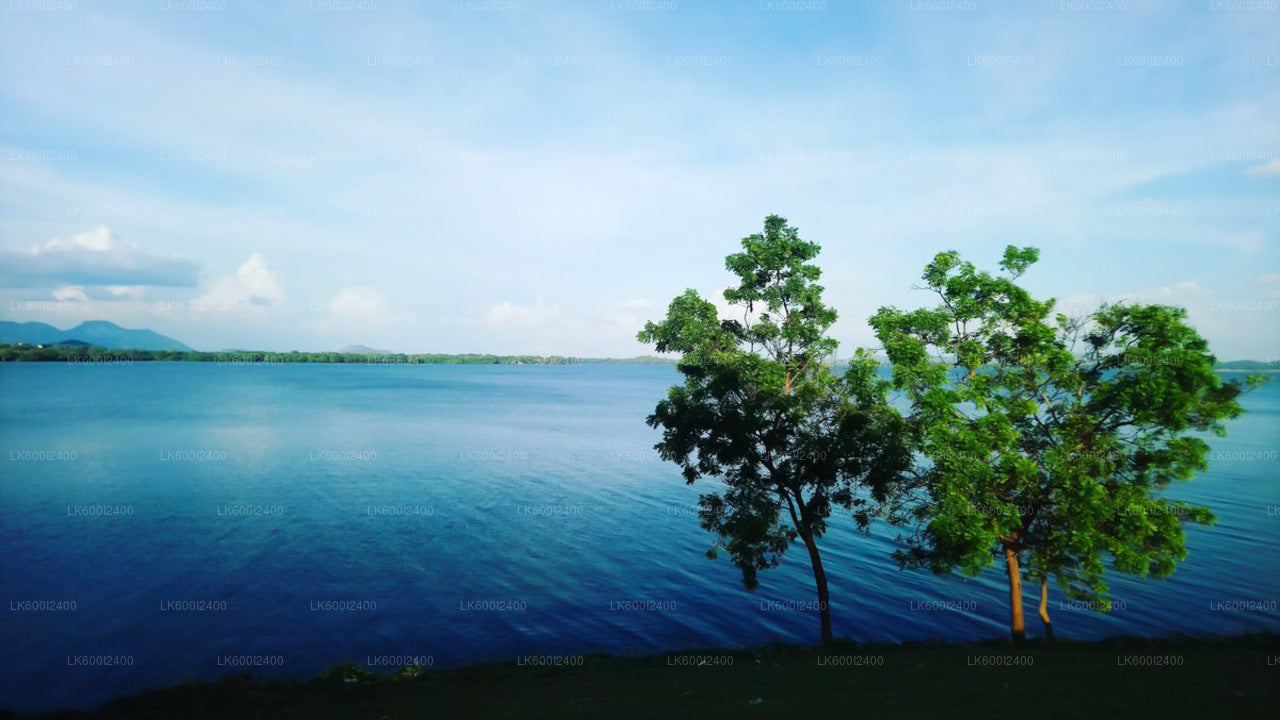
x: 1051, y: 435
x: 761, y: 410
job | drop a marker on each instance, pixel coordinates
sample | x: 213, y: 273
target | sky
x: 537, y: 177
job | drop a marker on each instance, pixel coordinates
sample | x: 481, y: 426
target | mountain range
x: 93, y: 332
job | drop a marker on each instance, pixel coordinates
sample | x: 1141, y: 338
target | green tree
x: 1048, y: 439
x: 761, y: 410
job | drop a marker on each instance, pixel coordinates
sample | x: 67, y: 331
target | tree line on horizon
x: 1026, y: 438
x: 83, y: 353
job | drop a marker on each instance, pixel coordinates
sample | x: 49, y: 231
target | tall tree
x: 761, y: 410
x: 1049, y: 439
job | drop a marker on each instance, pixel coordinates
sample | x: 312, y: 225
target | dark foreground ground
x: 1232, y: 679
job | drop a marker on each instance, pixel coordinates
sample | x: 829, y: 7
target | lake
x: 164, y: 521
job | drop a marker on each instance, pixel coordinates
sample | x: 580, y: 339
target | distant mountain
x: 32, y: 333
x: 364, y: 350
x: 1254, y: 365
x: 93, y: 332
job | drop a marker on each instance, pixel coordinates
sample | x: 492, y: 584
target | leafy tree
x: 1048, y: 439
x: 761, y: 410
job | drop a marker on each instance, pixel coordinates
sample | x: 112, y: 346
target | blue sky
x: 542, y: 177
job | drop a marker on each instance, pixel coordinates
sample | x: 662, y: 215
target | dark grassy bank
x: 1233, y: 677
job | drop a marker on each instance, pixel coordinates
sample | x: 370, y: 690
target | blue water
x: 482, y: 454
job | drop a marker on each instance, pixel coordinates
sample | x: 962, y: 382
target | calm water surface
x: 459, y: 513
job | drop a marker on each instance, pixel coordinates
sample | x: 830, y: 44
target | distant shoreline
x: 89, y: 355
x: 80, y: 354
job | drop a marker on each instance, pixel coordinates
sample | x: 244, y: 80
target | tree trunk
x: 1016, y: 626
x: 820, y: 578
x: 1044, y: 609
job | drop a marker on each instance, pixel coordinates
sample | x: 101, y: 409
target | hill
x: 30, y: 333
x: 363, y: 350
x: 1248, y: 365
x: 93, y: 332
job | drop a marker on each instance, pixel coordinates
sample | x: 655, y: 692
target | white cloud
x: 1187, y: 293
x: 70, y: 293
x: 1267, y: 169
x: 97, y: 239
x: 356, y: 310
x: 1271, y: 284
x: 1228, y: 321
x: 93, y: 257
x: 1181, y: 290
x: 252, y: 286
x: 510, y: 315
x: 357, y: 303
x: 581, y: 194
x: 109, y: 293
x: 124, y: 292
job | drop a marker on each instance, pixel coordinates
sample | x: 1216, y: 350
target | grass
x: 1233, y: 678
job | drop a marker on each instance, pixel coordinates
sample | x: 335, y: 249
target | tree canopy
x: 1047, y: 439
x: 761, y: 411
